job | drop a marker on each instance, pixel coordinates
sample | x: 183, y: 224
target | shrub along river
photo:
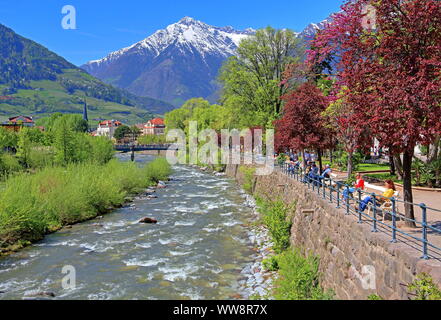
x: 201, y: 248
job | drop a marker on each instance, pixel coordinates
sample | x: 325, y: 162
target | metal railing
x: 334, y: 192
x: 141, y: 147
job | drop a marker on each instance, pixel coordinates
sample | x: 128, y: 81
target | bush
x: 158, y: 170
x: 341, y: 159
x: 152, y: 139
x: 375, y: 297
x: 424, y: 288
x: 275, y: 217
x: 299, y: 278
x: 281, y: 159
x: 8, y: 164
x: 101, y: 149
x: 270, y: 264
x: 41, y: 157
x: 248, y: 183
x: 32, y: 205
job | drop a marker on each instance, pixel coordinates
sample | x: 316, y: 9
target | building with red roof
x: 23, y: 120
x: 18, y: 122
x: 107, y: 128
x: 154, y: 127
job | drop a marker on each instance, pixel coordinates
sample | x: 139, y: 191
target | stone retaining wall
x: 162, y: 153
x: 346, y: 249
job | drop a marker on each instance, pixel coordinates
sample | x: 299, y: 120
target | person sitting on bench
x: 293, y: 165
x: 387, y: 195
x: 359, y: 185
x: 314, y: 174
x: 327, y: 173
x: 308, y: 169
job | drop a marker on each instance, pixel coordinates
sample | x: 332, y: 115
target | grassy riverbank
x: 298, y: 275
x: 32, y: 205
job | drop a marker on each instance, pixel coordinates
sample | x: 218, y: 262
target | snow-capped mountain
x: 176, y: 63
x: 310, y: 31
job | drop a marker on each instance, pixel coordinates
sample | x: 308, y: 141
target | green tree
x: 152, y: 139
x: 136, y: 132
x: 425, y: 288
x: 64, y: 141
x: 179, y: 118
x: 252, y: 80
x: 7, y: 139
x: 102, y: 149
x: 24, y: 146
x: 75, y: 121
x: 121, y: 132
x: 9, y: 164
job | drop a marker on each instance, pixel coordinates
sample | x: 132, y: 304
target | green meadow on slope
x: 35, y: 81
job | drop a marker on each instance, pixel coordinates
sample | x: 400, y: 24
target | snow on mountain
x: 310, y: 31
x: 176, y: 63
x: 189, y: 34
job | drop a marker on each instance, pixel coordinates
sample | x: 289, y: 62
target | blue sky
x: 105, y: 26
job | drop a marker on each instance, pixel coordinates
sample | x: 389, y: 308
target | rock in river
x: 39, y: 295
x: 148, y: 220
x: 161, y: 185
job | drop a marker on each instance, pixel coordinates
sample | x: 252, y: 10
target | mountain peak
x: 187, y: 32
x: 187, y: 21
x: 159, y: 65
x: 176, y: 63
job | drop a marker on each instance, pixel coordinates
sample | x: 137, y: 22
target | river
x: 198, y: 250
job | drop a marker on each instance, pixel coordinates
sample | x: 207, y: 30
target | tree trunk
x: 304, y: 160
x: 437, y: 159
x: 319, y: 154
x: 437, y: 177
x: 398, y: 166
x: 392, y: 165
x: 407, y: 186
x: 331, y: 156
x: 350, y: 164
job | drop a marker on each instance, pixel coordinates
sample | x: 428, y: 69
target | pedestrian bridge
x: 148, y: 147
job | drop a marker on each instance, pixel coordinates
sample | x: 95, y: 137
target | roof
x: 157, y: 122
x: 21, y: 119
x: 110, y: 123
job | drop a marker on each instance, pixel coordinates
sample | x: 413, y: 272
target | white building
x: 107, y: 128
x: 154, y: 127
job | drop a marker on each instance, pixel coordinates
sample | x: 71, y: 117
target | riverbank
x: 256, y: 282
x: 279, y: 270
x: 197, y: 250
x: 288, y: 273
x: 354, y: 261
x: 32, y: 206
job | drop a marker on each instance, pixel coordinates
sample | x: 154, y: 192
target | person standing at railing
x: 387, y: 195
x: 359, y: 185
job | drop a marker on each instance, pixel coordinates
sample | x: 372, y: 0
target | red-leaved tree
x: 389, y: 55
x: 352, y: 135
x: 302, y: 124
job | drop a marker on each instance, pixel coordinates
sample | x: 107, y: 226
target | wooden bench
x: 386, y: 206
x: 331, y: 182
